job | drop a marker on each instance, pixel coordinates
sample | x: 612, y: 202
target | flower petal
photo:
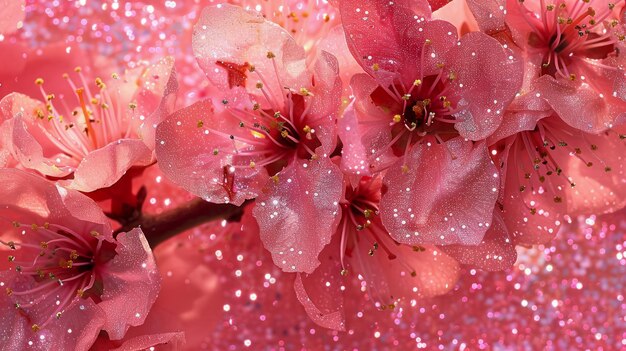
x: 131, y: 283
x: 320, y: 292
x: 353, y: 154
x: 298, y: 214
x: 581, y: 106
x: 228, y: 41
x: 195, y: 152
x: 487, y: 79
x: 532, y: 210
x: 160, y: 342
x: 376, y: 34
x: 77, y: 329
x: 103, y: 167
x: 156, y: 97
x: 34, y: 199
x: 326, y: 100
x: 24, y: 137
x: 489, y: 14
x: 495, y: 252
x: 414, y: 272
x: 445, y: 196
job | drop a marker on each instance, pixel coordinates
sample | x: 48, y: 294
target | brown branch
x: 159, y: 228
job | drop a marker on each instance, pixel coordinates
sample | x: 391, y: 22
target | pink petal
x: 77, y: 329
x: 489, y: 14
x: 103, y: 167
x: 27, y: 143
x: 580, y: 105
x: 532, y: 216
x: 441, y: 199
x: 599, y: 174
x: 37, y: 200
x: 353, y: 154
x: 522, y: 114
x: 367, y: 130
x: 488, y: 77
x: 335, y: 43
x: 12, y: 14
x: 156, y: 97
x: 157, y: 342
x: 375, y: 32
x: 186, y: 150
x: 299, y: 213
x: 320, y: 292
x: 30, y: 154
x: 415, y: 272
x: 228, y: 41
x: 326, y: 100
x: 496, y: 252
x: 131, y: 284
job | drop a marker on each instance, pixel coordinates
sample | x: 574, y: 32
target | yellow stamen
x: 90, y: 131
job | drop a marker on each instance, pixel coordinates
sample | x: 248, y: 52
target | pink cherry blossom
x: 271, y: 137
x: 422, y: 82
x: 572, y: 48
x: 394, y: 273
x: 93, y: 143
x: 424, y: 93
x: 68, y: 277
x: 550, y: 170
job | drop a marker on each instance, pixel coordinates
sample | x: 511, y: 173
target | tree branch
x: 159, y: 228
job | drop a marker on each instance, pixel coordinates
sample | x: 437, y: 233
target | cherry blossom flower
x: 67, y: 276
x: 92, y: 145
x: 424, y: 95
x: 572, y: 49
x: 393, y: 273
x: 271, y: 137
x: 551, y: 170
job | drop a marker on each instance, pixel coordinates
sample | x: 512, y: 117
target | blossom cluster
x: 388, y: 142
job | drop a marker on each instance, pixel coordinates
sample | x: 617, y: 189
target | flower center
x: 422, y: 110
x: 567, y: 34
x: 362, y: 232
x: 269, y: 135
x: 98, y: 119
x: 53, y: 272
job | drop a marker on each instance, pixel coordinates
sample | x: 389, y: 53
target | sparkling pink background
x: 569, y: 295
